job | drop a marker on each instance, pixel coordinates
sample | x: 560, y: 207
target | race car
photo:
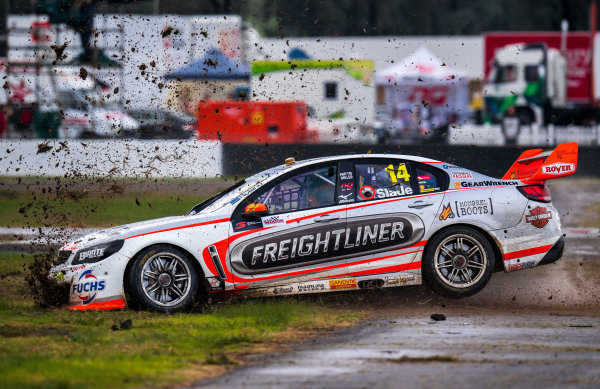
x: 330, y: 224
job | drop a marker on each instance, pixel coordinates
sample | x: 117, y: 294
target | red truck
x: 254, y: 121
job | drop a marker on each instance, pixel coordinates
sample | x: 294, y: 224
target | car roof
x: 361, y: 156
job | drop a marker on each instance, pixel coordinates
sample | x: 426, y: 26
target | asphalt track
x: 534, y: 328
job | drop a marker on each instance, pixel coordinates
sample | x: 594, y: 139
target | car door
x: 300, y: 236
x: 396, y: 203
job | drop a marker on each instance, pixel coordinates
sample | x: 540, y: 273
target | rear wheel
x: 459, y: 262
x: 163, y: 278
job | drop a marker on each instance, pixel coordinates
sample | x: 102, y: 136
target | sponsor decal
x: 522, y: 173
x: 473, y: 207
x: 519, y: 266
x: 538, y: 217
x: 87, y: 287
x: 309, y: 244
x: 347, y: 186
x: 91, y: 254
x: 449, y: 166
x: 235, y: 200
x: 349, y: 283
x: 342, y: 199
x: 247, y: 224
x: 485, y: 183
x: 558, y: 168
x: 98, y: 252
x: 423, y: 190
x: 462, y: 176
x: 312, y: 287
x: 397, y: 280
x: 447, y: 213
x: 383, y: 193
x: 77, y: 268
x: 214, y: 282
x: 275, y: 220
x: 423, y: 178
x: 346, y: 175
x: 367, y: 192
x: 283, y: 290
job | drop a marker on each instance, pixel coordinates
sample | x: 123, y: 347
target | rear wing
x: 537, y: 166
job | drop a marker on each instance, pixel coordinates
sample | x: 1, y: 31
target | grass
x: 99, y: 202
x: 41, y: 348
x: 27, y: 209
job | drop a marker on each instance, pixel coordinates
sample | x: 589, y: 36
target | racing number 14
x: 402, y: 173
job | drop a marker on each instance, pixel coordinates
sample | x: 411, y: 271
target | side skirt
x: 386, y: 280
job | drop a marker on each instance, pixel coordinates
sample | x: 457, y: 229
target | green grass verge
x: 63, y: 349
x: 26, y: 209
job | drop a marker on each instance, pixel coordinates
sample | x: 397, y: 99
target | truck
x: 543, y: 78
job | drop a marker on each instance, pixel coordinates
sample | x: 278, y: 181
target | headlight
x: 98, y: 252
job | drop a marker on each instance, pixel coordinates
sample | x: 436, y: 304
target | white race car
x: 330, y: 224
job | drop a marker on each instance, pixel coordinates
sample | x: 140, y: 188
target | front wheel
x: 163, y: 278
x: 459, y: 262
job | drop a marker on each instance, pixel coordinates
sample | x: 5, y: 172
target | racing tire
x: 458, y: 262
x: 163, y: 278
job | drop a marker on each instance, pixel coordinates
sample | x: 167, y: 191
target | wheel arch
x: 498, y: 256
x: 197, y: 264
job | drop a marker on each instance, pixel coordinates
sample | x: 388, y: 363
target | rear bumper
x: 555, y: 253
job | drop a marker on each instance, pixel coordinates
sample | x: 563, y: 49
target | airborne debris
x: 211, y: 63
x: 438, y: 317
x: 59, y: 50
x: 166, y: 31
x: 43, y: 148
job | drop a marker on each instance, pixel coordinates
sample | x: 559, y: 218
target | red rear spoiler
x: 536, y: 166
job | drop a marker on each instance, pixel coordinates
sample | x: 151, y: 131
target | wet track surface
x: 537, y: 327
x: 466, y: 351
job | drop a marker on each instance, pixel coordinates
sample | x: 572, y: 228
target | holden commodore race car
x: 330, y: 224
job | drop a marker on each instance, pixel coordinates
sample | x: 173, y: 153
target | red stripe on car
x: 181, y: 227
x: 104, y: 305
x: 527, y: 252
x: 362, y: 205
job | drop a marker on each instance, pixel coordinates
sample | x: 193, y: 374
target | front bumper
x: 95, y: 286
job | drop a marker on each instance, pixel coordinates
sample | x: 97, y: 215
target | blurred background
x: 265, y: 72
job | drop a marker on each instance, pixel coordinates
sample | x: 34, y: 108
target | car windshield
x: 236, y: 192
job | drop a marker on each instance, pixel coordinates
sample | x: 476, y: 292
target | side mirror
x: 255, y: 210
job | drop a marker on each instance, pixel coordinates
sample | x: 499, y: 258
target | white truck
x: 536, y: 83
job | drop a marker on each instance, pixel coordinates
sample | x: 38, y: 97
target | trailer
x: 253, y: 122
